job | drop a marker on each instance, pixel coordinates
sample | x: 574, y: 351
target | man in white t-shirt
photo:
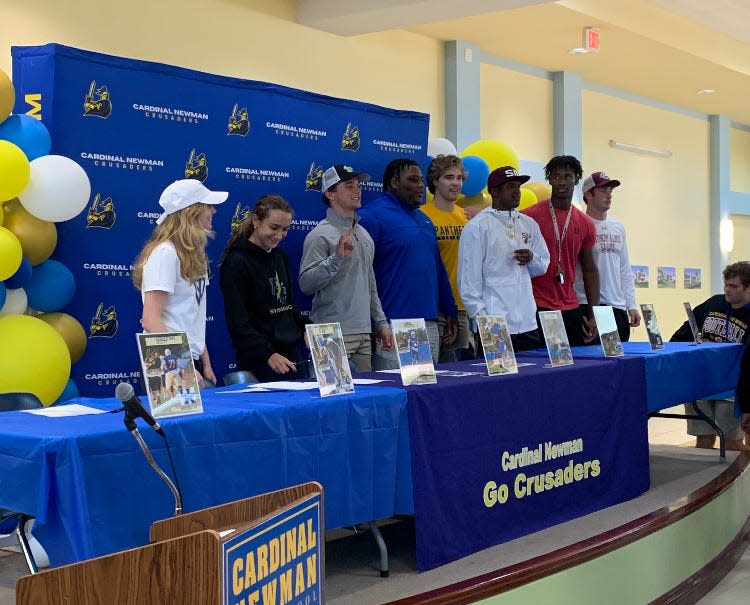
x: 617, y: 288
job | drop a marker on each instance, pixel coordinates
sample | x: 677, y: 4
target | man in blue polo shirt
x: 412, y: 281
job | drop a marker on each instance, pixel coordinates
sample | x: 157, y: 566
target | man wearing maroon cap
x: 616, y: 286
x: 570, y: 237
x: 500, y: 250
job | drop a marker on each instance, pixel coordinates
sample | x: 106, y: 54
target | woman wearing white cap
x: 172, y: 269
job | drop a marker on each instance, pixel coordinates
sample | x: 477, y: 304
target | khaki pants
x: 359, y: 351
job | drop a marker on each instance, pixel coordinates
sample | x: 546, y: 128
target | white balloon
x: 15, y: 302
x: 58, y: 189
x: 438, y: 146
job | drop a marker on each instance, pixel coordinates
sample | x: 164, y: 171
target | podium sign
x: 278, y: 560
x: 264, y: 550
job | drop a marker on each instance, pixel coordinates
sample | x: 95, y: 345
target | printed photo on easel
x: 414, y: 353
x: 652, y: 326
x: 608, y: 334
x: 169, y: 374
x: 498, y: 348
x: 556, y: 338
x: 329, y: 359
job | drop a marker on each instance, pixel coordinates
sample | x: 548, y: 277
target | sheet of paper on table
x: 59, y: 411
x: 279, y: 385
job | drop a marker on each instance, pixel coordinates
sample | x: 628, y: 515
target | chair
x: 13, y: 520
x: 240, y: 377
x: 19, y: 401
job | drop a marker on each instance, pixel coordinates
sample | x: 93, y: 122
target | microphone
x: 133, y: 406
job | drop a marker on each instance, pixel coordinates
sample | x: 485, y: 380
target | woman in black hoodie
x: 267, y: 330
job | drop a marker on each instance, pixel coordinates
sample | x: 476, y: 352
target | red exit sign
x: 591, y: 39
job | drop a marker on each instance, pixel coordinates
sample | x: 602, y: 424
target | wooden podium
x: 249, y: 551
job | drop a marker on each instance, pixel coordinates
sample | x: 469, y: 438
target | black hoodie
x: 258, y: 305
x: 718, y: 322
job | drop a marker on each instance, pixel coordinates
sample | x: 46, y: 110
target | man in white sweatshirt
x: 616, y: 285
x: 500, y: 250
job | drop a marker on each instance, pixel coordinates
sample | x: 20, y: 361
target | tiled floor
x: 735, y: 587
x: 732, y: 590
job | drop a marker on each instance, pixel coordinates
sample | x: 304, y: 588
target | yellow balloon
x: 10, y: 253
x: 480, y: 200
x: 495, y: 153
x: 543, y: 191
x: 7, y: 95
x: 2, y: 214
x: 38, y: 238
x: 34, y: 358
x: 528, y: 198
x: 72, y: 332
x: 14, y: 170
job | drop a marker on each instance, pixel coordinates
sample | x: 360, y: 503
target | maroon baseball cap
x: 599, y: 179
x: 504, y: 174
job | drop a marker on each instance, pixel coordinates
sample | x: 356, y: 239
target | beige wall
x: 516, y: 108
x: 251, y: 39
x: 739, y: 180
x: 739, y: 165
x: 741, y: 250
x: 664, y: 203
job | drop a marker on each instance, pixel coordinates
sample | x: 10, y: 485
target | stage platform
x: 677, y: 471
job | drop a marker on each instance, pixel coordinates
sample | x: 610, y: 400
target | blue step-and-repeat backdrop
x: 135, y: 126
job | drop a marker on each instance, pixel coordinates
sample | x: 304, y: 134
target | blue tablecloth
x: 92, y: 491
x: 679, y: 372
x: 466, y: 431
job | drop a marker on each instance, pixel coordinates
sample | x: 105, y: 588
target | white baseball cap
x: 186, y: 192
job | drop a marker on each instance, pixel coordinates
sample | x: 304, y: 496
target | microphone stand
x: 130, y: 425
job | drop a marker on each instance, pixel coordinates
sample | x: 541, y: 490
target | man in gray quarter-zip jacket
x: 336, y: 267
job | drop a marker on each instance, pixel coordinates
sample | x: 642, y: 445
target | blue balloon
x: 21, y: 277
x: 3, y: 294
x: 27, y: 133
x: 477, y: 172
x: 51, y: 286
x: 69, y: 392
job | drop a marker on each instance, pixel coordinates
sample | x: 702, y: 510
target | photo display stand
x: 652, y: 326
x: 608, y: 334
x: 496, y: 343
x: 414, y: 353
x: 329, y: 359
x: 556, y: 338
x: 169, y: 374
x: 697, y: 338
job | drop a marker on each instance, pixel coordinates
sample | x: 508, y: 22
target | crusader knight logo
x: 104, y: 323
x: 314, y: 178
x: 350, y: 140
x: 196, y: 166
x: 240, y: 215
x: 239, y: 122
x: 97, y: 102
x: 101, y: 213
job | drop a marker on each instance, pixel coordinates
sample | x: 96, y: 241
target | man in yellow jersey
x: 445, y: 176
